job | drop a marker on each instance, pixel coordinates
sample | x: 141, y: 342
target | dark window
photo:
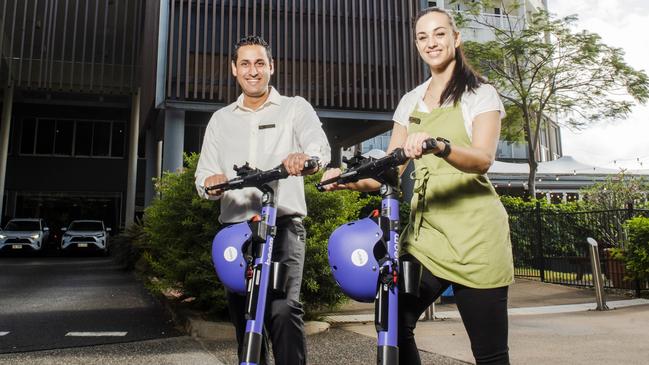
x: 16, y: 225
x: 141, y: 147
x: 27, y: 137
x: 63, y: 139
x: 192, y: 141
x: 45, y: 136
x: 497, y: 11
x: 117, y: 147
x: 83, y: 139
x: 101, y: 139
x: 86, y: 226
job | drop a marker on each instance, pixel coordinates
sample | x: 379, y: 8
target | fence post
x: 629, y: 215
x: 539, y: 242
x: 597, y: 274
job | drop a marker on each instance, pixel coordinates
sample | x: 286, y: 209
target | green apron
x: 458, y: 228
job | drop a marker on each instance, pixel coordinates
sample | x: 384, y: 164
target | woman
x: 458, y: 228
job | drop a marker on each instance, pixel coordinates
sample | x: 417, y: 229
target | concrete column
x: 174, y: 138
x: 151, y: 164
x: 7, y: 104
x: 158, y: 160
x: 132, y: 159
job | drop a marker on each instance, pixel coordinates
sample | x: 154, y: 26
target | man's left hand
x: 294, y: 164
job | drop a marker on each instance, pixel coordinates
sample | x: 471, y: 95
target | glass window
x: 117, y: 142
x: 63, y: 139
x: 16, y: 225
x: 141, y: 147
x: 86, y: 226
x: 101, y: 139
x: 27, y: 137
x: 192, y: 139
x: 46, y: 129
x: 83, y: 139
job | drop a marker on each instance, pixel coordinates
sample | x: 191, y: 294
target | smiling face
x: 252, y: 70
x: 436, y: 40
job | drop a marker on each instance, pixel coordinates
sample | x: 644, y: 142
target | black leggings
x: 483, y: 311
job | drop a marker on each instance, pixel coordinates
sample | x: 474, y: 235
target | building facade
x: 100, y: 96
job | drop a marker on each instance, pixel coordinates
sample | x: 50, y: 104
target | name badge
x: 414, y: 120
x: 266, y: 126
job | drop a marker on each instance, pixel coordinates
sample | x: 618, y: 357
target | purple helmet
x: 352, y: 257
x: 228, y: 258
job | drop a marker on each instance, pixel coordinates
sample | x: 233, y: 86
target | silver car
x: 24, y: 234
x: 86, y: 235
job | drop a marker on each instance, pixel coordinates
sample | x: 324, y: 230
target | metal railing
x: 552, y: 247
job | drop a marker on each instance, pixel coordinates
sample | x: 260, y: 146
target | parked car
x: 86, y: 235
x: 24, y: 234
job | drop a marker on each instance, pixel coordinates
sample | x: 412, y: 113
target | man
x: 265, y: 129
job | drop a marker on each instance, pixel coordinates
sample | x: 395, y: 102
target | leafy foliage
x: 636, y: 253
x: 174, y: 242
x: 617, y: 192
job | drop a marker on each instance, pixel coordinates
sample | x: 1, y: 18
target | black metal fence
x: 551, y: 246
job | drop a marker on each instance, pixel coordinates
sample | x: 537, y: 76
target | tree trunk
x: 531, y: 180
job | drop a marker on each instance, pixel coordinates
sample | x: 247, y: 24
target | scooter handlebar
x: 373, y: 167
x: 257, y: 178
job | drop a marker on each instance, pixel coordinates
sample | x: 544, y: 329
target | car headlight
x: 35, y: 236
x: 2, y: 236
x: 100, y: 235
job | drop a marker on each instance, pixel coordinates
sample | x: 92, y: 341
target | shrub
x: 178, y: 230
x: 636, y: 253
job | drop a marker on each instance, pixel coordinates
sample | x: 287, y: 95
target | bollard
x: 597, y: 275
x: 429, y: 314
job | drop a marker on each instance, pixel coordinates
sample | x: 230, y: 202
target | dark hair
x: 464, y: 77
x: 251, y: 40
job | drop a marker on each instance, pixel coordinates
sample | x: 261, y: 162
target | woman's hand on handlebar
x: 294, y: 164
x: 413, y: 146
x: 330, y: 174
x: 213, y: 181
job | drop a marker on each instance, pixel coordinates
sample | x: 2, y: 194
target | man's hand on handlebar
x: 213, y: 181
x: 330, y: 174
x: 294, y: 164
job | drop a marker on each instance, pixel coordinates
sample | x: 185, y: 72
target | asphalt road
x: 61, y: 302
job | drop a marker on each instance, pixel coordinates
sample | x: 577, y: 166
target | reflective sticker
x: 230, y: 254
x: 359, y: 257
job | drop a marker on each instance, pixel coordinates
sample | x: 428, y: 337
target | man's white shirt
x: 263, y: 138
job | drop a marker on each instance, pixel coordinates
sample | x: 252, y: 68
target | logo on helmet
x: 230, y: 254
x: 359, y: 257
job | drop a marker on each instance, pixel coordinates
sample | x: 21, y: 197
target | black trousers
x: 483, y: 311
x: 283, y: 312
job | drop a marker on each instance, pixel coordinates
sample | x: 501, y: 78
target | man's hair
x: 252, y: 40
x: 464, y: 77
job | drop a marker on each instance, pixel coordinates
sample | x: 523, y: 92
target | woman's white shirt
x: 483, y: 99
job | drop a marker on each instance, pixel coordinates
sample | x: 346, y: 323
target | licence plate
x: 16, y: 247
x: 82, y: 245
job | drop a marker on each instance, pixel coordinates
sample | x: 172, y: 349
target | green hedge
x: 636, y: 253
x: 174, y: 241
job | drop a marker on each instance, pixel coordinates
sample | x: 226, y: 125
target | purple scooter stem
x: 360, y: 234
x: 253, y: 338
x: 262, y: 236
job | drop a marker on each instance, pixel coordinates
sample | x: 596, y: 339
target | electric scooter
x: 242, y: 253
x: 363, y: 255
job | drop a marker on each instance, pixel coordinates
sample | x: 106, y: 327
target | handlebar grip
x: 311, y: 164
x: 429, y: 144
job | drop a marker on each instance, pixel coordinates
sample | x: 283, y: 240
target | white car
x: 24, y: 234
x: 85, y: 235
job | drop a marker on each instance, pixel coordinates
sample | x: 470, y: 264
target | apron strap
x: 420, y: 177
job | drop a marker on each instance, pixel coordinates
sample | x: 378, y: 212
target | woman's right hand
x: 330, y: 174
